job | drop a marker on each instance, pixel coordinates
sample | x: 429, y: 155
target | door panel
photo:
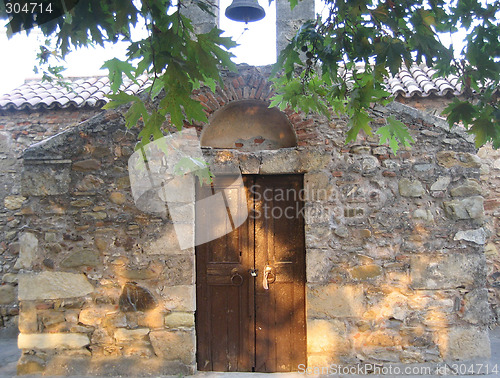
x: 241, y: 324
x: 279, y: 244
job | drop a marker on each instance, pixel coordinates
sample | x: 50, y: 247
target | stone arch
x: 249, y: 125
x: 251, y: 84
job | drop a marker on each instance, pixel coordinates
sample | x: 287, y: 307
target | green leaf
x: 155, y: 88
x: 119, y: 99
x: 134, y: 114
x: 152, y: 129
x: 293, y: 3
x: 460, y: 111
x: 116, y: 70
x: 359, y: 121
x: 395, y: 133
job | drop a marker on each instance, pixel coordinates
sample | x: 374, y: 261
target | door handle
x: 269, y: 277
x: 236, y: 278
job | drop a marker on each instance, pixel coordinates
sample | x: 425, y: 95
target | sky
x: 257, y: 46
x: 18, y: 55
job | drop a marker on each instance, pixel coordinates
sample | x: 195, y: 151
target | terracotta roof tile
x: 91, y: 92
x: 420, y: 81
x: 86, y: 92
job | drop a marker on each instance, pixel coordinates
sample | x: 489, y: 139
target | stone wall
x: 18, y: 130
x: 490, y: 181
x: 107, y: 281
x: 395, y: 262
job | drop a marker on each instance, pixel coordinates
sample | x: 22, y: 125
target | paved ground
x: 9, y: 355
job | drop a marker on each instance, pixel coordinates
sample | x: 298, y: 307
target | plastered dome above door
x: 248, y: 125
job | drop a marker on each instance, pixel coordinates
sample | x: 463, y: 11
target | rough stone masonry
x: 394, y: 251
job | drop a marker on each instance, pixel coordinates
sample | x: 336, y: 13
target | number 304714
x: 28, y: 7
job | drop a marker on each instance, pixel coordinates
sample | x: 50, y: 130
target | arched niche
x: 248, y: 125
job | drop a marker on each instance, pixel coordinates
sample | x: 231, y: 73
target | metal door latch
x: 268, y: 271
x: 253, y: 272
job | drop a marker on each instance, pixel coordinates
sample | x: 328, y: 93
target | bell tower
x: 287, y: 21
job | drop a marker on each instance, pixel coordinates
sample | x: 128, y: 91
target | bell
x: 245, y: 11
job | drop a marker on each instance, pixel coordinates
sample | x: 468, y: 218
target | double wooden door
x: 251, y: 281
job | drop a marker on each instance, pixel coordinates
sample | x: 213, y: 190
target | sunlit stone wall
x: 394, y: 246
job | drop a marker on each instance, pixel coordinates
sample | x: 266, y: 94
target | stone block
x: 45, y: 179
x: 450, y: 159
x: 81, y: 202
x: 411, y: 188
x: 314, y: 160
x: 318, y: 265
x: 144, y: 351
x: 317, y: 187
x: 364, y: 272
x: 335, y: 301
x: 170, y: 239
x: 7, y: 295
x: 367, y: 150
x: 53, y: 285
x: 136, y: 298
x: 467, y: 208
x: 151, y: 319
x: 280, y: 161
x: 136, y: 273
x: 369, y: 164
x: 179, y: 320
x: 180, y: 298
x: 85, y: 257
x: 174, y: 345
x: 136, y: 336
x: 327, y: 337
x: 89, y: 183
x: 86, y: 165
x: 13, y: 202
x: 424, y: 215
x: 52, y: 341
x: 28, y: 247
x: 441, y: 183
x: 383, y: 354
x: 179, y: 270
x: 469, y: 188
x: 249, y: 164
x: 478, y: 236
x: 117, y: 198
x: 9, y: 278
x: 94, y: 315
x: 490, y: 250
x: 464, y: 344
x: 476, y: 307
x: 30, y: 364
x: 316, y: 212
x: 116, y: 319
x: 318, y: 235
x: 52, y: 318
x: 290, y: 160
x: 114, y: 366
x: 385, y: 338
x: 394, y: 305
x: 450, y: 271
x: 101, y: 337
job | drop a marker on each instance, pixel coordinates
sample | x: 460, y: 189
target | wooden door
x: 242, y: 323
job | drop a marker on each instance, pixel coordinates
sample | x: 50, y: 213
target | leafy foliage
x: 176, y: 59
x: 395, y: 132
x: 337, y: 63
x: 341, y: 61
